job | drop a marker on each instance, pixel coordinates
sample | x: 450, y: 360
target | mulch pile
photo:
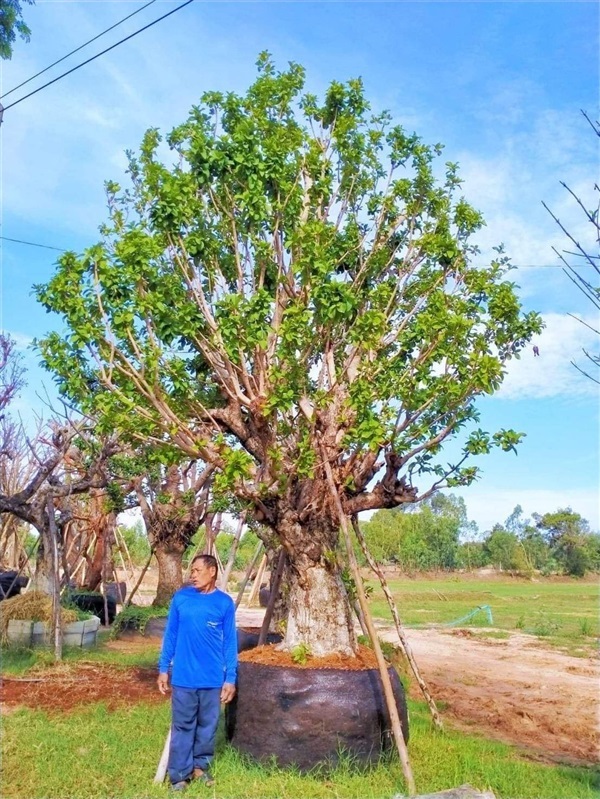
x: 66, y: 686
x: 269, y: 655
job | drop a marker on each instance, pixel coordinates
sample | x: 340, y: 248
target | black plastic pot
x: 307, y: 717
x: 247, y: 638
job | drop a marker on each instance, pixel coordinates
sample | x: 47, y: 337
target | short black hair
x: 209, y: 560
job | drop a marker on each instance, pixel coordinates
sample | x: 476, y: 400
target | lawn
x: 96, y: 753
x: 563, y: 612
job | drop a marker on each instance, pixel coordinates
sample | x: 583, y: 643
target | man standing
x: 200, y: 641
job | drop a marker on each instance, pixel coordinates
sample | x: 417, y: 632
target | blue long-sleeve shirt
x: 200, y: 639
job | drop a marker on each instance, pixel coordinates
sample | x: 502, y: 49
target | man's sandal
x: 204, y: 776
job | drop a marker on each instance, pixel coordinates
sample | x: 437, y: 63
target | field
x: 562, y: 611
x: 93, y: 726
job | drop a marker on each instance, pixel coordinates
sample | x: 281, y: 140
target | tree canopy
x: 297, y: 282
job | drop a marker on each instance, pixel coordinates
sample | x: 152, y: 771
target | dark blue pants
x: 195, y: 717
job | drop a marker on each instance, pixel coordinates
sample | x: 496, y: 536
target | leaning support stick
x: 404, y: 645
x: 383, y: 672
x: 264, y: 630
x: 251, y: 565
x: 139, y: 582
x: 161, y: 770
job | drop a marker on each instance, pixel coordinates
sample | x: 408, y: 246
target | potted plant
x: 295, y: 302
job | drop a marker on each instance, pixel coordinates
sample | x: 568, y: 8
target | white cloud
x: 552, y: 373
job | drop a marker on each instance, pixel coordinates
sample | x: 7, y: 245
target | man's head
x: 203, y: 573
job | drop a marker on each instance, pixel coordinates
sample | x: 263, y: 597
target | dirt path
x: 513, y: 690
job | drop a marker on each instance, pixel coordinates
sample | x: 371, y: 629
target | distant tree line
x: 437, y: 535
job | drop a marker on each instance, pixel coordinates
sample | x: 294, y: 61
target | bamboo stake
x: 56, y: 609
x: 233, y: 551
x: 264, y: 630
x: 161, y: 770
x: 257, y: 580
x: 383, y: 672
x: 140, y: 578
x: 404, y: 645
x: 251, y: 565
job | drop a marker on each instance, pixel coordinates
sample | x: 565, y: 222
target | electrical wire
x: 93, y: 58
x: 516, y: 266
x: 33, y: 244
x: 77, y: 49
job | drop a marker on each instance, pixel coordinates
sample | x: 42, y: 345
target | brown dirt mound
x: 271, y: 656
x: 67, y: 686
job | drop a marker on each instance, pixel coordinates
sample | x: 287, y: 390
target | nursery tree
x: 296, y: 284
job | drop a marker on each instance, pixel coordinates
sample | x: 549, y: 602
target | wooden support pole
x: 251, y: 566
x: 404, y: 645
x: 232, y: 552
x: 161, y: 770
x: 364, y: 606
x: 264, y: 630
x: 257, y: 580
x: 139, y: 582
x: 56, y: 609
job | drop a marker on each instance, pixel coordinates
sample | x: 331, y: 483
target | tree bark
x: 169, y: 574
x: 319, y: 615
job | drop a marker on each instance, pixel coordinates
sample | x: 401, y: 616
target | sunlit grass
x: 94, y: 753
x: 564, y: 614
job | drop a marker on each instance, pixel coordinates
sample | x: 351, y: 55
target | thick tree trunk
x: 319, y: 615
x: 169, y: 574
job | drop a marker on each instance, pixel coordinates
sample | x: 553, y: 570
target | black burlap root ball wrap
x: 306, y: 717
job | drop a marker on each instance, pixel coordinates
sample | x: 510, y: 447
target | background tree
x: 174, y: 502
x: 585, y: 271
x: 11, y: 24
x: 420, y: 537
x: 568, y: 537
x: 296, y: 287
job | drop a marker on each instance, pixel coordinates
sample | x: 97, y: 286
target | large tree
x: 297, y: 284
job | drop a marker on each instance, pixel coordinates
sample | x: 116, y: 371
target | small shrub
x: 545, y: 625
x: 520, y: 623
x: 585, y: 626
x: 300, y: 654
x: 136, y: 617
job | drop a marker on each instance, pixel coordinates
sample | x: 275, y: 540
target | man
x: 200, y: 642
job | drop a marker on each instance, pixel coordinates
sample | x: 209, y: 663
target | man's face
x: 203, y: 577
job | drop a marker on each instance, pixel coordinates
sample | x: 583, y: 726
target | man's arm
x: 168, y: 647
x: 229, y: 650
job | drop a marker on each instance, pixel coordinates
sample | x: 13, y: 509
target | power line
x: 77, y: 49
x: 93, y: 58
x: 33, y: 244
x: 516, y: 266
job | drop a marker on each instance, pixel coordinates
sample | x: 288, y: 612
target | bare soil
x: 61, y: 688
x: 514, y: 689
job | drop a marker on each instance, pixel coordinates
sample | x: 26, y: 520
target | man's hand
x: 163, y: 682
x: 227, y: 692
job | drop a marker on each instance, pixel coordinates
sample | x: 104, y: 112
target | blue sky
x: 500, y: 84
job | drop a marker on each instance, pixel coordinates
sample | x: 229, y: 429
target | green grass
x: 563, y: 613
x: 95, y: 754
x: 17, y: 660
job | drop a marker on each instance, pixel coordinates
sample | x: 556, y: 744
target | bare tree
x: 578, y: 271
x: 47, y: 481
